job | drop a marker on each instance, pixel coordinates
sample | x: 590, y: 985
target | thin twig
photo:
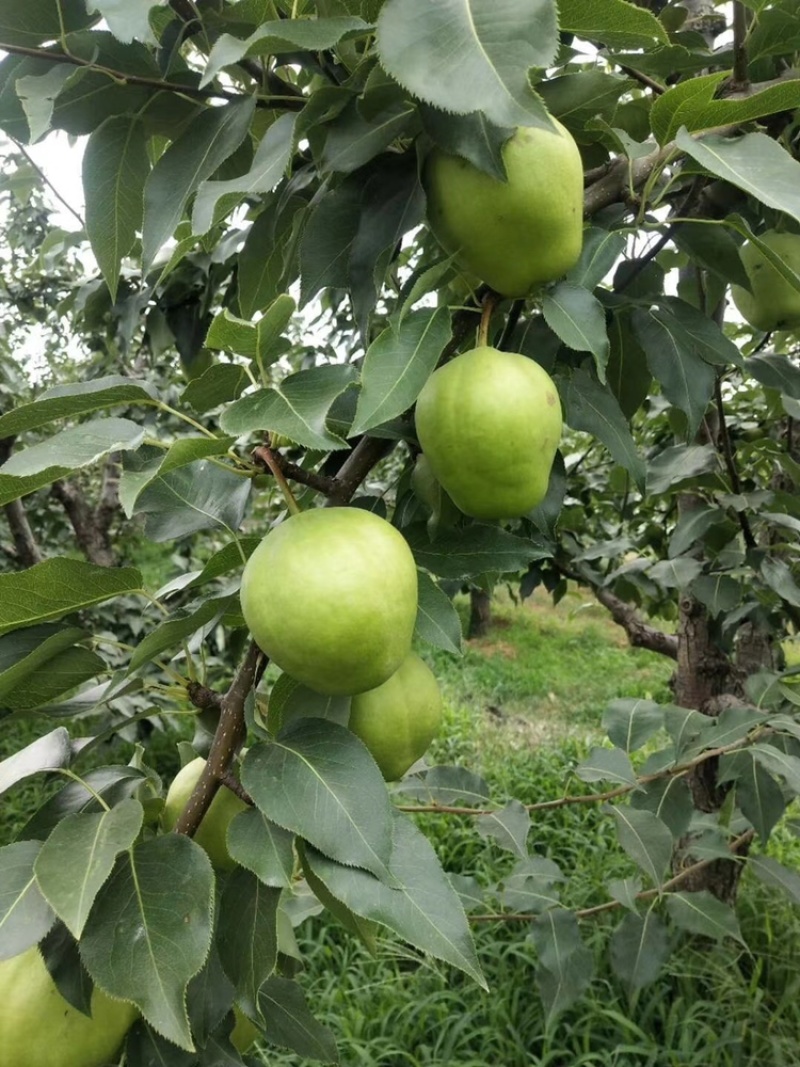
x: 321, y: 482
x: 612, y: 905
x: 21, y: 148
x: 290, y: 102
x: 643, y: 79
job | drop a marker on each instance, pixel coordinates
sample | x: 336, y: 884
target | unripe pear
x: 213, y: 830
x: 38, y: 1028
x: 773, y: 304
x: 516, y: 234
x: 489, y: 423
x: 398, y: 720
x: 331, y: 596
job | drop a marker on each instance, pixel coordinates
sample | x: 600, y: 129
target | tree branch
x: 92, y: 538
x: 25, y: 544
x: 730, y: 463
x: 291, y: 101
x: 640, y: 634
x: 228, y: 739
x: 740, y: 78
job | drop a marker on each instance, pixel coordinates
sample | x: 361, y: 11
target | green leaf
x: 354, y: 139
x: 475, y: 550
x: 630, y: 722
x: 775, y: 372
x: 508, y: 826
x: 470, y: 55
x: 47, y: 753
x: 627, y: 372
x: 565, y: 964
x: 57, y: 587
x: 772, y: 873
x: 678, y: 464
x: 646, y: 840
x: 711, y: 245
x: 150, y: 929
x: 423, y: 909
x: 218, y: 385
x: 779, y: 763
x: 38, y: 93
x: 127, y: 19
x: 284, y: 35
x: 578, y: 318
x: 145, y: 1048
x: 210, y: 140
x: 268, y: 255
x: 397, y: 364
x: 446, y: 786
x: 26, y: 651
x: 778, y: 576
x: 78, y: 857
x: 640, y: 947
x: 697, y: 331
x: 529, y: 887
x: 199, y: 496
x: 247, y: 932
x: 290, y: 701
x: 209, y: 998
x: 328, y: 239
x: 113, y: 784
x: 438, y: 622
x: 691, y: 526
x: 593, y: 408
x: 606, y: 765
x: 701, y: 913
x: 65, y: 671
x: 115, y: 168
x: 36, y: 21
x: 269, y: 165
x: 757, y: 793
x: 675, y: 573
x: 298, y: 407
x: 76, y: 447
x: 262, y: 847
x: 719, y: 592
x: 472, y: 136
x: 176, y: 630
x: 180, y: 453
x: 616, y: 23
x: 686, y: 379
x: 692, y: 104
x: 25, y: 916
x: 68, y: 401
x: 319, y: 781
x: 289, y: 1023
x: 600, y: 252
x: 754, y: 163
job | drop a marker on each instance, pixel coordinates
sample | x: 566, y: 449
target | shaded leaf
x: 78, y: 857
x: 473, y: 551
x: 593, y: 408
x: 198, y: 496
x: 565, y: 964
x: 629, y: 722
x: 318, y: 780
x: 529, y: 887
x: 25, y: 915
x: 262, y: 847
x: 57, y: 587
x: 438, y: 622
x: 150, y: 929
x: 606, y: 765
x: 247, y: 932
x: 646, y: 839
x: 578, y: 318
x: 289, y: 1023
x: 508, y: 826
x: 424, y: 909
x: 639, y: 949
x: 701, y: 913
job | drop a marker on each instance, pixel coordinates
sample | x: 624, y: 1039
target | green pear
x: 38, y: 1028
x: 331, y: 596
x: 212, y: 831
x: 398, y: 720
x: 489, y: 423
x: 773, y: 303
x: 516, y: 234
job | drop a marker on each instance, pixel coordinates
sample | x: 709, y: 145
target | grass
x: 523, y: 707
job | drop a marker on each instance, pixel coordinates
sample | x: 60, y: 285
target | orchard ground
x: 524, y: 706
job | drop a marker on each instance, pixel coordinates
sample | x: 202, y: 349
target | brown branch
x: 92, y: 538
x: 643, y: 79
x: 678, y: 771
x: 647, y: 894
x: 203, y: 698
x: 228, y: 739
x: 365, y: 455
x: 640, y: 633
x: 25, y: 544
x: 320, y: 482
x: 633, y: 173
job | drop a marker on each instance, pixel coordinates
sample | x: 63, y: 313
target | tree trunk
x: 480, y: 612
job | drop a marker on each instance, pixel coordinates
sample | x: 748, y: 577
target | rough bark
x: 26, y: 549
x: 91, y: 529
x: 640, y: 633
x: 480, y: 612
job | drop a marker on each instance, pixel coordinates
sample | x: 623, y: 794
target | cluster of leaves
x: 250, y: 156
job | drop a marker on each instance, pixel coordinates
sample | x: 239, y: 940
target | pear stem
x: 266, y: 455
x: 489, y: 304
